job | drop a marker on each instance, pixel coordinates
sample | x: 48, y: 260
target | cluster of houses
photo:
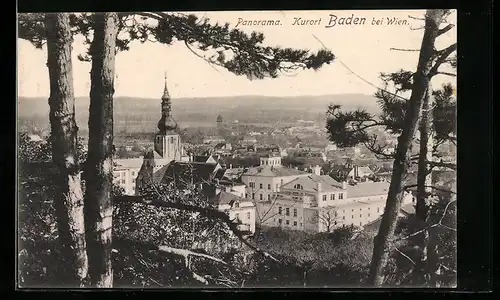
x: 268, y: 194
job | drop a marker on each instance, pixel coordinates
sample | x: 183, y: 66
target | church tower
x: 167, y: 142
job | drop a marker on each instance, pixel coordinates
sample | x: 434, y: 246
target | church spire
x: 166, y: 94
x: 166, y: 122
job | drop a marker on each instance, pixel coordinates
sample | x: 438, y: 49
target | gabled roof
x: 185, y: 172
x: 273, y: 171
x: 366, y: 189
x: 224, y: 198
x: 128, y: 163
x: 310, y: 183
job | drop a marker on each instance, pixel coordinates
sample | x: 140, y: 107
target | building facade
x: 318, y: 203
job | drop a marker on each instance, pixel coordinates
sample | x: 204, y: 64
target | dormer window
x: 298, y: 187
x: 236, y: 205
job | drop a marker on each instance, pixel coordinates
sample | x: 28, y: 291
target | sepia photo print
x: 237, y: 149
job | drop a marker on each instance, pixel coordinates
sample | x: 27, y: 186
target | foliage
x: 350, y: 128
x: 39, y: 252
x: 327, y: 259
x: 232, y: 49
x: 442, y: 222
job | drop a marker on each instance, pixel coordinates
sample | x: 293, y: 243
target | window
x: 172, y: 140
x: 287, y: 222
x: 352, y: 216
x: 343, y: 218
x: 252, y: 184
x: 248, y: 215
x: 378, y: 209
x: 294, y: 223
x: 360, y: 223
x: 280, y: 221
x: 260, y: 185
x: 268, y: 186
x: 260, y: 196
x: 253, y: 196
x: 353, y: 209
x: 300, y: 224
x: 332, y: 197
x: 295, y: 212
x: 281, y: 181
x: 368, y: 208
x: 341, y: 196
x: 280, y: 210
x: 335, y: 214
x: 360, y: 209
x: 236, y: 205
x: 123, y: 181
x: 268, y: 197
x: 287, y: 211
x: 343, y: 210
x: 368, y: 214
x: 298, y: 187
x: 360, y: 215
x: 324, y: 197
x: 246, y: 195
x: 335, y: 223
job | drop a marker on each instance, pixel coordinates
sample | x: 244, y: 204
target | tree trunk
x: 304, y: 275
x: 99, y: 165
x: 424, y: 182
x: 382, y: 242
x: 69, y: 202
x: 424, y: 177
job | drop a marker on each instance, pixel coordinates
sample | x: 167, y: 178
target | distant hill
x: 204, y: 111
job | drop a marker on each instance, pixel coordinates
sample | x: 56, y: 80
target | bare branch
x: 431, y: 226
x: 442, y: 56
x: 445, y: 29
x: 206, y: 212
x: 428, y: 186
x: 446, y: 73
x: 417, y: 28
x: 416, y: 18
x: 404, y: 255
x: 409, y: 50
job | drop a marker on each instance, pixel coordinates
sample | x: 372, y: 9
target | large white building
x: 294, y: 199
x: 264, y: 181
x: 320, y: 204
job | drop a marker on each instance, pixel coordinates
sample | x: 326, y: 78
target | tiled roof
x: 310, y: 183
x: 182, y: 172
x: 201, y: 158
x: 366, y: 189
x: 227, y: 198
x: 128, y: 163
x: 270, y: 171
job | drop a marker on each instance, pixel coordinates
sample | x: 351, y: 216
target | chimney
x: 230, y: 166
x: 344, y: 185
x: 317, y: 170
x: 319, y: 186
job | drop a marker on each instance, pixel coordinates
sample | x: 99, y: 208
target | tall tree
x: 421, y: 78
x: 247, y: 56
x: 99, y: 165
x: 69, y: 202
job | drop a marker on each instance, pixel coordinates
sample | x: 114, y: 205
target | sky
x: 364, y: 49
